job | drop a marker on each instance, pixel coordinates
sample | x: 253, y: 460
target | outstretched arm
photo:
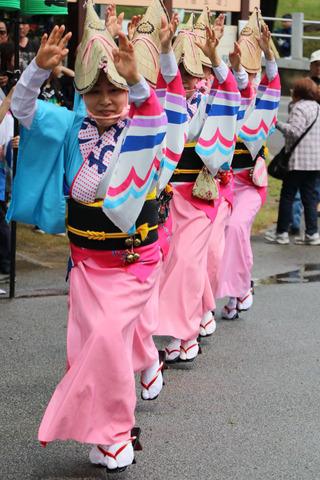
x: 265, y: 44
x: 168, y: 64
x: 112, y: 21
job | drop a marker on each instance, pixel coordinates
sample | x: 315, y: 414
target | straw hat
x: 272, y: 44
x: 187, y: 52
x: 200, y: 30
x: 146, y: 41
x: 250, y: 49
x: 95, y: 54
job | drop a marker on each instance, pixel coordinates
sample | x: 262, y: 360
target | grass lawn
x: 269, y: 212
x: 311, y: 10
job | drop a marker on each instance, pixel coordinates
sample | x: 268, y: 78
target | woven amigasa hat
x: 146, y: 41
x: 187, y: 52
x: 200, y: 30
x: 250, y: 49
x: 95, y: 54
x: 273, y: 47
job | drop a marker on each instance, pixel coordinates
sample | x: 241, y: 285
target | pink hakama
x: 183, y: 274
x: 95, y: 400
x: 237, y: 261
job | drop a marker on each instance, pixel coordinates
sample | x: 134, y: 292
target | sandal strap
x: 106, y: 453
x: 172, y: 351
x: 189, y: 348
x: 206, y: 324
x: 228, y: 309
x: 148, y: 385
x: 241, y: 300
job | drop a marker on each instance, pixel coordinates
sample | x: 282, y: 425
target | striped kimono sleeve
x: 246, y: 105
x: 136, y: 168
x: 173, y: 99
x: 261, y: 122
x: 217, y: 140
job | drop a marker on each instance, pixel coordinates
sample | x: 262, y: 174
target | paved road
x: 248, y: 409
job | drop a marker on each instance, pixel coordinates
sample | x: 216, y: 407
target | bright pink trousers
x: 237, y: 261
x: 108, y: 338
x: 183, y: 274
x: 215, y: 255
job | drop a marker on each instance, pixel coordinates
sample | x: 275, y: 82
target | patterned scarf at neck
x: 193, y: 104
x: 96, y: 152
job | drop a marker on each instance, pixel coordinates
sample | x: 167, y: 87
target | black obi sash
x: 87, y: 227
x: 189, y: 165
x: 242, y: 157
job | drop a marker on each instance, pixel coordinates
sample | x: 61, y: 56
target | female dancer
x: 250, y: 180
x: 211, y: 120
x: 107, y: 160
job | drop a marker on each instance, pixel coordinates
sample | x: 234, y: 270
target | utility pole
x: 76, y: 16
x: 245, y: 9
x: 168, y: 5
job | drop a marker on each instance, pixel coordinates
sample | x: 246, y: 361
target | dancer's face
x: 189, y: 82
x: 105, y: 100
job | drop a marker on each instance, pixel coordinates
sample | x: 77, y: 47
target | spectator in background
x: 315, y: 67
x: 6, y: 66
x: 28, y: 47
x: 284, y: 43
x: 304, y: 163
x: 315, y: 76
x: 59, y: 88
x: 3, y: 32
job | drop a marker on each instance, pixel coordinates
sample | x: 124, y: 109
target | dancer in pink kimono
x: 108, y: 161
x: 250, y: 184
x: 217, y: 239
x: 210, y: 142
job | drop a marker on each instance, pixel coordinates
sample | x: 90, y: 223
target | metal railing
x: 297, y: 36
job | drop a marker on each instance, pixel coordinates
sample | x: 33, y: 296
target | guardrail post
x: 297, y: 34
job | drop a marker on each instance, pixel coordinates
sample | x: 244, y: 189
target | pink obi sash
x: 210, y: 208
x: 149, y: 258
x: 245, y: 177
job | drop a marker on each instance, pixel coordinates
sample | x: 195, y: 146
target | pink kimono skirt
x: 107, y: 340
x: 183, y: 273
x: 235, y: 274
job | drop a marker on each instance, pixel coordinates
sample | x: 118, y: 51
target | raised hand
x: 53, y: 49
x: 132, y: 25
x: 218, y: 26
x: 264, y: 41
x: 209, y: 47
x: 167, y: 32
x: 125, y: 60
x: 235, y: 57
x: 112, y: 21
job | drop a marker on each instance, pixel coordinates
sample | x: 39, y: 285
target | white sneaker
x: 270, y: 233
x: 114, y: 457
x: 152, y: 381
x: 280, y: 238
x: 229, y: 311
x: 172, y: 351
x: 308, y: 239
x: 189, y: 350
x: 245, y: 302
x: 208, y: 325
